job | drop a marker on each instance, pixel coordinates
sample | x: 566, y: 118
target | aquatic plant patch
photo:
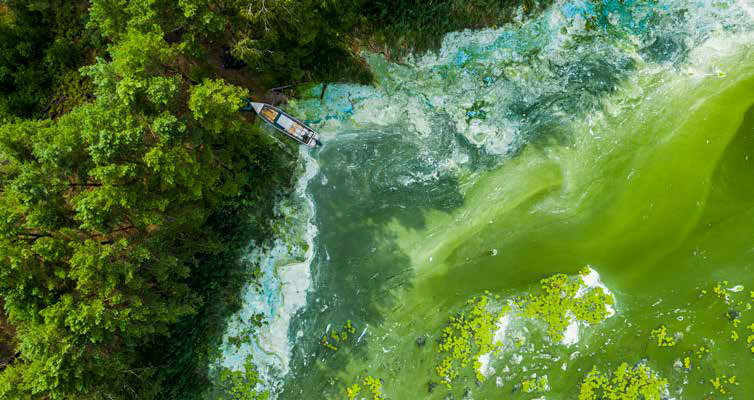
x: 561, y: 298
x: 334, y: 337
x: 535, y: 384
x: 723, y: 384
x: 661, y: 336
x: 625, y: 383
x: 242, y: 385
x: 468, y: 335
x: 373, y: 386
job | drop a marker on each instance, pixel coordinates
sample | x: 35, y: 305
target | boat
x: 284, y: 122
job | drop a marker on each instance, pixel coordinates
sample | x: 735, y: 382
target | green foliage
x: 105, y: 217
x: 280, y: 41
x: 299, y: 40
x: 7, y: 339
x: 467, y: 337
x: 42, y: 44
x: 560, y: 295
x: 414, y: 25
x: 638, y: 383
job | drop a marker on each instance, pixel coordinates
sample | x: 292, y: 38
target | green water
x: 629, y: 149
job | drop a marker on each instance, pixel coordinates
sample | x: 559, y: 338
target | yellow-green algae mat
x: 614, y: 260
x: 663, y: 210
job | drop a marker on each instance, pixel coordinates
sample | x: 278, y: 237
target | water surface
x: 618, y: 136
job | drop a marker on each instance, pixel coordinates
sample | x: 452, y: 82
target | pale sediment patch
x: 295, y: 280
x: 282, y: 293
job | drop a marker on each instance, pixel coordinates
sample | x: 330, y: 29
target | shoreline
x: 282, y: 294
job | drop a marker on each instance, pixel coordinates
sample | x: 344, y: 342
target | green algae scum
x: 561, y: 208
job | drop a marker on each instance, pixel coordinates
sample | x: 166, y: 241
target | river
x: 616, y: 136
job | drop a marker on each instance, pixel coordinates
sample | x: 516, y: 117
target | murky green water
x: 518, y: 153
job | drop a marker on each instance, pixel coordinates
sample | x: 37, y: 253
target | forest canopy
x: 130, y: 182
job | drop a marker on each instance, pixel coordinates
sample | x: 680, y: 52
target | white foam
x: 484, y: 367
x: 362, y: 334
x: 289, y: 285
x: 502, y: 328
x: 747, y: 7
x: 295, y: 280
x: 497, y: 338
x: 590, y: 280
x: 571, y: 334
x: 736, y: 289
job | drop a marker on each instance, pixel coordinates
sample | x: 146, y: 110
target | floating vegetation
x: 540, y: 384
x: 242, y: 385
x: 563, y: 297
x: 326, y: 343
x: 663, y: 339
x: 467, y: 336
x: 353, y: 390
x: 374, y: 386
x: 701, y: 352
x: 687, y: 362
x: 723, y: 384
x: 750, y: 338
x: 345, y: 333
x: 623, y: 384
x: 720, y: 292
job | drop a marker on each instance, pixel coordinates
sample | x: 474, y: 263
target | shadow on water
x: 363, y: 186
x: 720, y: 244
x: 580, y: 85
x: 732, y: 188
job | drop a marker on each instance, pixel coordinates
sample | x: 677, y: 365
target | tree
x: 103, y: 212
x: 42, y: 44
